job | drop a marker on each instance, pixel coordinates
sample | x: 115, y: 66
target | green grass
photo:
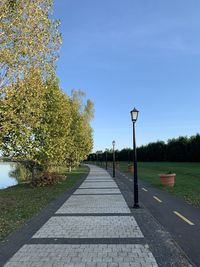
x: 21, y: 202
x: 187, y: 180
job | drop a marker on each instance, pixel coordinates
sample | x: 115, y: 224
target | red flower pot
x: 167, y: 179
x: 130, y: 168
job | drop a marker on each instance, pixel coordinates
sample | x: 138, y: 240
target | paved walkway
x: 93, y: 228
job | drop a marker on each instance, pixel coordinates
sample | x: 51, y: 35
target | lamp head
x: 134, y: 115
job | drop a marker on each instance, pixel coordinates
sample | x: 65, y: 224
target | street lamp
x: 134, y: 115
x: 128, y: 157
x: 113, y: 143
x: 106, y: 159
x: 97, y: 158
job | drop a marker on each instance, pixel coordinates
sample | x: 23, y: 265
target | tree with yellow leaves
x: 40, y: 126
x: 28, y: 39
x: 81, y: 141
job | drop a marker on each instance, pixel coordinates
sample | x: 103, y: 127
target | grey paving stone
x: 59, y: 255
x: 94, y: 204
x: 90, y: 227
x: 97, y: 191
x: 97, y: 176
x: 98, y: 181
x: 91, y: 264
x: 98, y: 185
x: 102, y: 177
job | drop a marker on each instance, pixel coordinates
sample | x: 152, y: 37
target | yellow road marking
x: 144, y: 189
x: 183, y: 218
x: 156, y: 198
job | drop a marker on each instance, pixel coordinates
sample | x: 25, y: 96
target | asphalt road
x: 179, y: 218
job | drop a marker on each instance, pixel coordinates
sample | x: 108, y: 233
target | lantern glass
x: 113, y: 143
x: 134, y: 114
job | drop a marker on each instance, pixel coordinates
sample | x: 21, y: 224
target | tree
x: 81, y: 133
x: 42, y: 127
x: 193, y: 148
x: 53, y: 133
x: 29, y: 43
x: 28, y: 39
x: 21, y: 113
x: 177, y: 149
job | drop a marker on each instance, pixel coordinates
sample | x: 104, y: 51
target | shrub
x: 48, y: 178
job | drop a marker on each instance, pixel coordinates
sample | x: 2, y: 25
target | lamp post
x: 113, y: 143
x: 134, y: 115
x: 128, y: 157
x: 97, y: 158
x: 101, y: 158
x: 106, y: 159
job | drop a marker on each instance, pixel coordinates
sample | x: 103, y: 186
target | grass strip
x: 19, y: 203
x: 187, y: 180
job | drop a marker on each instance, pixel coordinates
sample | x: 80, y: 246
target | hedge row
x: 181, y: 149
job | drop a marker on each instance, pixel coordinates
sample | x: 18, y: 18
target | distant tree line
x: 181, y: 149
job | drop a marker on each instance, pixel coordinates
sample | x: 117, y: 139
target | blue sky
x: 130, y: 53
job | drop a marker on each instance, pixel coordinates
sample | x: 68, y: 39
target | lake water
x: 5, y: 179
